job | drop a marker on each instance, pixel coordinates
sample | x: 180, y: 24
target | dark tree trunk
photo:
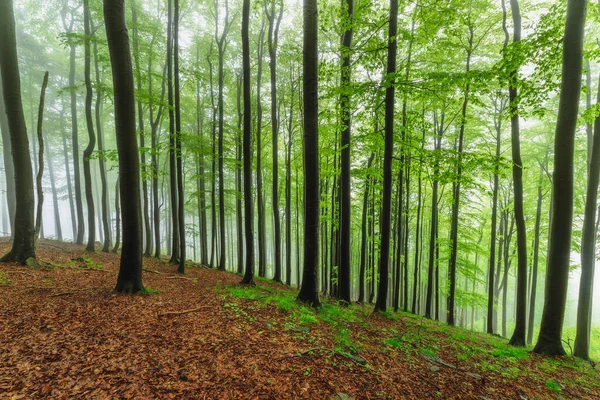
x: 456, y: 194
x: 312, y: 202
x: 248, y: 203
x: 518, y: 337
x: 172, y: 143
x: 364, y: 235
x: 213, y: 190
x: 222, y: 45
x: 40, y: 172
x: 238, y: 180
x: 130, y: 272
x: 23, y: 246
x: 588, y: 249
x: 178, y: 155
x: 89, y: 120
x: 536, y: 253
x: 100, y: 134
x: 141, y: 131
x: 557, y: 276
x: 78, y: 236
x: 345, y: 272
x: 418, y: 229
x: 68, y: 173
x: 384, y: 255
x: 272, y: 39
x: 288, y: 185
x: 259, y: 182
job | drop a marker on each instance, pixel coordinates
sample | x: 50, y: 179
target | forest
x: 363, y: 169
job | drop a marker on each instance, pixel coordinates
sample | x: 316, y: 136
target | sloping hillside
x: 64, y: 333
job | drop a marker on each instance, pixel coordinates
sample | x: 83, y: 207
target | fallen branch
x: 182, y: 312
x: 181, y: 277
x: 52, y: 245
x: 151, y: 270
x: 70, y: 292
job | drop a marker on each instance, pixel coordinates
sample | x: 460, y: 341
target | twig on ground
x: 181, y: 277
x: 151, y: 270
x: 182, y: 312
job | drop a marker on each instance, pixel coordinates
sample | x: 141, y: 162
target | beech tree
x: 23, y: 246
x: 130, y: 271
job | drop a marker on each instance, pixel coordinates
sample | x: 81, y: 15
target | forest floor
x: 64, y: 333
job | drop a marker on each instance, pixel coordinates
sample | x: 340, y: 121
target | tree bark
x: 550, y: 338
x: 384, y: 255
x: 130, y: 271
x: 40, y: 172
x: 312, y: 202
x: 23, y: 246
x: 9, y: 171
x: 247, y: 148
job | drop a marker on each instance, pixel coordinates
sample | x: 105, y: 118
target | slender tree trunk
x: 23, y: 246
x: 178, y: 153
x: 87, y: 153
x: 588, y: 249
x: 518, y: 337
x: 384, y: 255
x: 141, y: 131
x: 118, y: 218
x: 40, y: 172
x: 259, y: 182
x: 456, y: 194
x: 272, y: 39
x: 247, y: 148
x: 536, y: 252
x: 550, y: 337
x: 172, y: 142
x: 9, y: 171
x: 238, y: 180
x: 364, y: 235
x: 100, y: 134
x: 57, y: 224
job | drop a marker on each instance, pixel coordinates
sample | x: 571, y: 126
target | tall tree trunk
x: 141, y: 131
x: 418, y: 229
x: 222, y: 45
x: 312, y: 202
x: 178, y: 154
x: 238, y: 180
x: 89, y: 120
x: 518, y: 337
x: 248, y: 203
x: 23, y: 247
x: 100, y: 134
x: 75, y: 134
x: 259, y: 182
x: 384, y: 255
x: 288, y: 185
x: 588, y: 249
x: 345, y: 271
x: 536, y: 252
x: 272, y: 39
x: 557, y: 276
x: 40, y: 172
x: 172, y: 142
x: 456, y: 193
x: 130, y: 271
x: 68, y: 173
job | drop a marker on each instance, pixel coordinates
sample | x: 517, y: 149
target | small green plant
x: 3, y: 279
x: 148, y: 291
x: 553, y: 385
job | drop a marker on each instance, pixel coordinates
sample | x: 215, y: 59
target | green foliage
x: 149, y: 291
x: 3, y: 279
x: 553, y: 385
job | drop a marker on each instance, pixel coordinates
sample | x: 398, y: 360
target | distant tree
x: 312, y: 202
x: 130, y: 272
x: 557, y: 276
x: 9, y: 170
x: 23, y: 246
